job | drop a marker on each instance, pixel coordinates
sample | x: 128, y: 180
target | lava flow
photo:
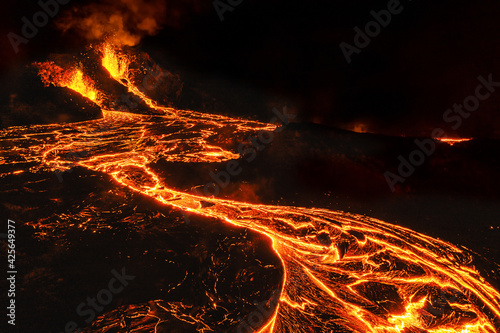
x: 342, y: 272
x: 452, y: 141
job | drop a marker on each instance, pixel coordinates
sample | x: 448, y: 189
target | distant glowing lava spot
x: 452, y: 141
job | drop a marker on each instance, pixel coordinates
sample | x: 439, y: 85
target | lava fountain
x: 73, y: 78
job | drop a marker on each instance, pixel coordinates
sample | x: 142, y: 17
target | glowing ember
x: 74, y: 79
x: 369, y: 276
x: 452, y: 141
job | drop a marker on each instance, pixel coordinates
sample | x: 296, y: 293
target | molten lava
x: 342, y: 272
x: 452, y: 141
x: 73, y: 78
x: 117, y: 64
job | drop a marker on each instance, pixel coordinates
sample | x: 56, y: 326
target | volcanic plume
x: 125, y: 22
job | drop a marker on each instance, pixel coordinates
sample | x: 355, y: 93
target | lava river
x: 342, y: 272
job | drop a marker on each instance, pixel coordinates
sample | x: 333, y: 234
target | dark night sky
x: 424, y: 61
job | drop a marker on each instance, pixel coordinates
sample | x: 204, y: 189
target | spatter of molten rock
x: 72, y: 78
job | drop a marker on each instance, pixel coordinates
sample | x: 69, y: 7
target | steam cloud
x: 124, y: 22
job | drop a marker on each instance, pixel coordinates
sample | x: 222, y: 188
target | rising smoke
x: 124, y: 22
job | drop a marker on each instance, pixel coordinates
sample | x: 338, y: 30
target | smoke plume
x: 123, y: 22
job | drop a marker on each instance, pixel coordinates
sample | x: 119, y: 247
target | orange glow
x: 117, y: 65
x: 73, y: 79
x: 359, y: 128
x: 325, y: 287
x: 452, y: 141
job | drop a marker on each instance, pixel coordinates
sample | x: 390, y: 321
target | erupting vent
x: 73, y: 79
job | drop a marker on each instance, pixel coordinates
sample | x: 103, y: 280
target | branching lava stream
x: 342, y: 272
